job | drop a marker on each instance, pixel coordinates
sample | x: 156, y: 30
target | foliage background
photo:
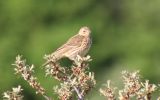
x: 125, y: 37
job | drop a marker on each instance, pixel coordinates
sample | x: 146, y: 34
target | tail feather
x: 46, y: 63
x: 49, y: 58
x: 54, y: 57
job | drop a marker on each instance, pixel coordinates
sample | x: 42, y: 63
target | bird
x: 77, y: 45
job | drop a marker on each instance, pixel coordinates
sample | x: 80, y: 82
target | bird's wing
x: 74, y: 41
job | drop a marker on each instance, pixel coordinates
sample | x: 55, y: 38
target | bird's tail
x: 49, y: 58
x: 46, y: 63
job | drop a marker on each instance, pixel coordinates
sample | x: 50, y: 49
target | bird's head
x: 84, y: 31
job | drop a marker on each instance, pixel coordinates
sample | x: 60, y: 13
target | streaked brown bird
x: 79, y: 44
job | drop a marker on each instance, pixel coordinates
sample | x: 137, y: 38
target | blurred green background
x: 126, y: 36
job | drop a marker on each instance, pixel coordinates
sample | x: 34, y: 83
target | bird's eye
x: 84, y: 31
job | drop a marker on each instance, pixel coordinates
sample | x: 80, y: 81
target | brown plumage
x: 79, y: 44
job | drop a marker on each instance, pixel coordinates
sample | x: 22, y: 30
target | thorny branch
x: 78, y: 78
x: 26, y: 72
x: 133, y: 87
